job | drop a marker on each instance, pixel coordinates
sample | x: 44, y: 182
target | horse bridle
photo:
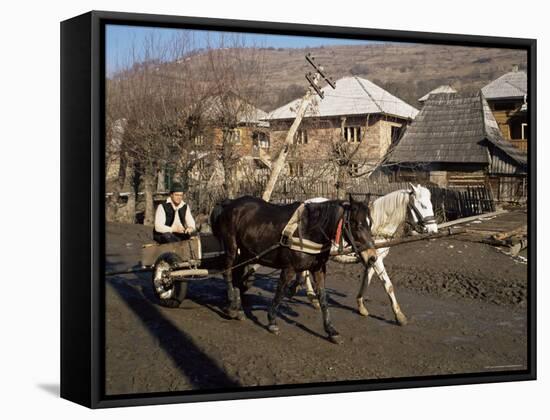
x: 421, y: 221
x: 347, y: 228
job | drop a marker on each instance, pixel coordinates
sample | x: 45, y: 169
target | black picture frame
x: 83, y: 225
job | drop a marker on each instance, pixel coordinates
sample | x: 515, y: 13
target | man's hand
x: 180, y: 229
x: 188, y: 230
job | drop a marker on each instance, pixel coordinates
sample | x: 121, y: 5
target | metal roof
x: 352, y: 96
x: 509, y: 85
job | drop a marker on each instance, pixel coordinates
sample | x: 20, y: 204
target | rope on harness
x: 255, y: 258
x: 300, y: 244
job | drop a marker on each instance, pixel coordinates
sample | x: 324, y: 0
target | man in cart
x: 173, y: 219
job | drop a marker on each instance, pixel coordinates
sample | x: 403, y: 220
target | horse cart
x: 174, y: 264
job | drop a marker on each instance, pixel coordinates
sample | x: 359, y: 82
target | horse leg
x: 383, y: 275
x: 365, y: 282
x: 237, y: 279
x: 284, y: 280
x: 319, y: 277
x: 293, y: 286
x: 232, y: 295
x: 303, y: 278
x: 309, y: 290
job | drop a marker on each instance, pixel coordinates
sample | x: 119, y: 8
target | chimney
x: 515, y: 68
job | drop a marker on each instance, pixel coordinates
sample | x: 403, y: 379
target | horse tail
x: 215, y: 215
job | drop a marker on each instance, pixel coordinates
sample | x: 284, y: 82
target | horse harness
x: 299, y: 243
x: 307, y: 246
x: 421, y: 221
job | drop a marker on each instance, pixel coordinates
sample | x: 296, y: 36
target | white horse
x: 388, y: 213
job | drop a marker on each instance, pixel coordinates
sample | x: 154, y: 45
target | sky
x: 120, y: 38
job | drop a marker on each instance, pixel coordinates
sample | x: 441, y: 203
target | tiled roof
x: 352, y: 96
x: 246, y: 113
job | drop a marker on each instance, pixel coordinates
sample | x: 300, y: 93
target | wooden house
x: 507, y: 98
x: 356, y: 112
x: 455, y: 141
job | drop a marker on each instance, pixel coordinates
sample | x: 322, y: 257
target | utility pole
x: 313, y: 79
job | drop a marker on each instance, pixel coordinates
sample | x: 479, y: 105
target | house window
x: 262, y: 140
x: 395, y: 131
x: 354, y: 169
x: 517, y: 130
x: 199, y: 140
x: 199, y: 166
x: 524, y: 132
x: 296, y: 169
x: 300, y: 137
x: 352, y: 134
x: 233, y: 135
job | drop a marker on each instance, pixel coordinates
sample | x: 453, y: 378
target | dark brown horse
x: 249, y: 226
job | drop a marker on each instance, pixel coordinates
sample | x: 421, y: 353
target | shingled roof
x: 352, y: 96
x: 509, y: 85
x: 453, y: 128
x: 440, y: 89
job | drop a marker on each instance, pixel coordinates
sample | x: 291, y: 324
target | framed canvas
x: 241, y: 183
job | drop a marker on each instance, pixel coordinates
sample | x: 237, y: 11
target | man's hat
x: 176, y: 187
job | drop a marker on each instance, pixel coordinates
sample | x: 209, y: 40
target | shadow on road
x: 201, y: 370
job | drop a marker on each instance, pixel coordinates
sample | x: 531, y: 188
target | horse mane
x: 388, y: 212
x: 216, y: 213
x: 327, y: 216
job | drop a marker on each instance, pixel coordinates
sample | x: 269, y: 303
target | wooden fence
x: 455, y: 203
x: 448, y: 203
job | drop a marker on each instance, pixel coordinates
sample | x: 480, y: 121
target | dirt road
x: 466, y: 303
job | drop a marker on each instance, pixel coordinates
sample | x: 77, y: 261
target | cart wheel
x: 169, y: 292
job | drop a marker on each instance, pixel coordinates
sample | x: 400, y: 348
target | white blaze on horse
x: 388, y: 213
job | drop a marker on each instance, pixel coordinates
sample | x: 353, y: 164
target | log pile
x: 515, y: 240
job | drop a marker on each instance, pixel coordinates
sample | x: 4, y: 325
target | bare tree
x: 159, y: 97
x: 236, y: 76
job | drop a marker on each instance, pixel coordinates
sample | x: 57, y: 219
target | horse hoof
x: 240, y: 316
x: 402, y: 320
x: 231, y: 313
x: 363, y: 311
x: 336, y: 339
x: 314, y: 301
x: 273, y: 329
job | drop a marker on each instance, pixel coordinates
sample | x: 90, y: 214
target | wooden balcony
x: 520, y: 144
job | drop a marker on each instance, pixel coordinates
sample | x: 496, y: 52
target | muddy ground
x: 466, y: 303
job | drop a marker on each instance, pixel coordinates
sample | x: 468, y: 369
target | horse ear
x: 412, y: 187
